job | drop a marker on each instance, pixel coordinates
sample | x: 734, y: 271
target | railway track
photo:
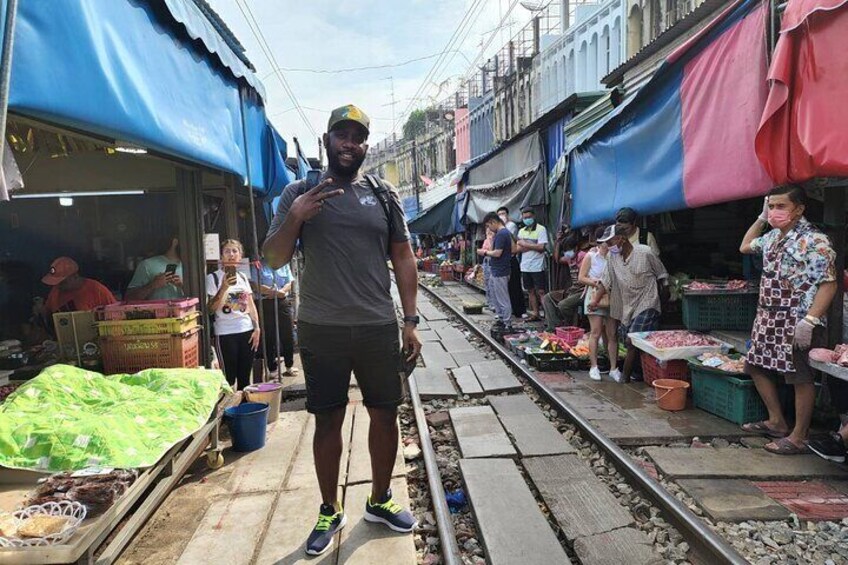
x: 693, y: 541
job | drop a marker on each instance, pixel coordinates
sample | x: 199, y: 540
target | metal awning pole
x: 6, y: 67
x: 255, y: 233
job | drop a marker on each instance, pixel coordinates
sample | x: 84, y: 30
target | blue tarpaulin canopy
x: 158, y: 75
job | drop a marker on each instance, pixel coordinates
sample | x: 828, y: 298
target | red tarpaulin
x: 804, y: 129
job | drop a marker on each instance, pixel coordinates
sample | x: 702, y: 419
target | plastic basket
x: 148, y: 327
x: 133, y: 353
x: 734, y: 311
x: 147, y: 310
x: 729, y: 397
x: 552, y: 362
x: 653, y: 369
x: 570, y: 334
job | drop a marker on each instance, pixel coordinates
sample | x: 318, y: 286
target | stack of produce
x: 723, y: 362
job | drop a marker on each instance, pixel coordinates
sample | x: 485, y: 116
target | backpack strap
x: 382, y: 194
x: 643, y: 236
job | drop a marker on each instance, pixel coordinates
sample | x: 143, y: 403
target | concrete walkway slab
x: 512, y: 528
x: 495, y: 377
x: 451, y: 333
x: 230, y: 530
x: 359, y: 467
x: 430, y: 313
x: 532, y: 432
x: 581, y: 504
x: 435, y: 357
x: 730, y: 462
x: 365, y: 543
x: 265, y: 469
x: 626, y: 545
x: 467, y: 381
x: 467, y: 357
x: 479, y: 433
x: 433, y: 383
x: 733, y: 500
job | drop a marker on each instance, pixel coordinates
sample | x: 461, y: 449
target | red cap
x: 62, y: 268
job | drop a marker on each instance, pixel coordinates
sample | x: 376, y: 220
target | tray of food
x: 677, y: 344
x: 696, y: 288
x: 51, y: 523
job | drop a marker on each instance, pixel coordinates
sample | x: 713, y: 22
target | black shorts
x: 535, y: 281
x: 330, y: 353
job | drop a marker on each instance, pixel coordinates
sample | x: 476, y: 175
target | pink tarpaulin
x: 804, y: 129
x: 722, y: 97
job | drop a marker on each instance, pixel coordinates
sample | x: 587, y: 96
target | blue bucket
x: 247, y: 425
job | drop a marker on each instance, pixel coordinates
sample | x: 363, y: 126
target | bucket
x: 266, y: 393
x: 671, y: 394
x: 247, y: 425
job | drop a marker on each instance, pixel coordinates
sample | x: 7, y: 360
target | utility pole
x: 320, y: 153
x: 391, y: 80
x: 415, y: 180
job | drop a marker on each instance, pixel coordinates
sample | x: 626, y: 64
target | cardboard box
x: 77, y: 337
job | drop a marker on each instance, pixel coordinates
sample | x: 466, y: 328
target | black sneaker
x: 830, y: 447
x: 390, y: 513
x: 329, y: 523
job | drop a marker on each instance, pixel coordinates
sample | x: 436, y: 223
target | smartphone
x: 230, y: 271
x: 313, y: 177
x: 171, y: 269
x: 406, y: 367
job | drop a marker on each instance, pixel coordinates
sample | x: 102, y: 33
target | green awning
x: 437, y: 221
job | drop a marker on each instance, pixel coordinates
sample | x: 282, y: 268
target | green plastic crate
x: 729, y: 397
x: 731, y: 311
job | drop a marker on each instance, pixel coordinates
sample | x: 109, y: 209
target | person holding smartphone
x: 237, y: 327
x: 160, y: 277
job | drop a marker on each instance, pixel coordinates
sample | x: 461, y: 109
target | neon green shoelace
x: 390, y: 505
x: 324, y: 522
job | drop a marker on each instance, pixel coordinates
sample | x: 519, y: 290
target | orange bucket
x: 671, y: 394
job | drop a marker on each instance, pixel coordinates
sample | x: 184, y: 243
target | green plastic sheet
x: 67, y: 418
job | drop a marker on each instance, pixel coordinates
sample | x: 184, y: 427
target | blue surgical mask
x: 529, y: 222
x: 615, y: 249
x: 569, y: 255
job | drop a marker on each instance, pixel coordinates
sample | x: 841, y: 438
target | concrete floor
x: 260, y: 507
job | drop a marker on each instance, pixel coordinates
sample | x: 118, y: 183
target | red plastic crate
x: 146, y: 310
x: 133, y: 353
x: 653, y: 369
x: 571, y: 335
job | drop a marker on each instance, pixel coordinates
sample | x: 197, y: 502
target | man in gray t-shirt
x: 348, y: 226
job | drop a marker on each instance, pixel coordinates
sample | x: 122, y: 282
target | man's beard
x: 335, y: 165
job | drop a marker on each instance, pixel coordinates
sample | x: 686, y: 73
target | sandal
x: 762, y: 428
x: 291, y: 372
x: 784, y: 446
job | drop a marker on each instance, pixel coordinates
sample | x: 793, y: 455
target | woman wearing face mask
x: 236, y: 319
x: 591, y: 270
x: 797, y: 286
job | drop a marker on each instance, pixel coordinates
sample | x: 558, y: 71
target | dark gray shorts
x: 331, y: 353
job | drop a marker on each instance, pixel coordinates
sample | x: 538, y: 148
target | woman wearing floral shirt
x: 797, y: 287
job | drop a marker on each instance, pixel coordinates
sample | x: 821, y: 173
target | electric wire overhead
x: 462, y: 29
x: 256, y: 30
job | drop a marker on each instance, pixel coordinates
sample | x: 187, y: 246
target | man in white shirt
x: 532, y: 245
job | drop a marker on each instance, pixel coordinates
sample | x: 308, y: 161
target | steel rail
x: 700, y: 536
x: 444, y: 524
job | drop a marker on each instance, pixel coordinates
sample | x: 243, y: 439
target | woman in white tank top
x: 591, y: 270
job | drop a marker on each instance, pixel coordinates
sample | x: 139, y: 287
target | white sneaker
x: 594, y: 374
x: 616, y: 375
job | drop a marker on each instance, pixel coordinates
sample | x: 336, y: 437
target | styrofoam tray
x: 640, y: 341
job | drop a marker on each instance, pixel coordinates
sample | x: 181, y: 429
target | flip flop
x: 762, y: 428
x: 784, y: 446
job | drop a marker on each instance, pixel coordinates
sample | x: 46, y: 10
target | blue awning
x: 200, y: 28
x: 133, y: 71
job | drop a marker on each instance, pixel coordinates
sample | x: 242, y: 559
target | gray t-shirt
x: 345, y: 275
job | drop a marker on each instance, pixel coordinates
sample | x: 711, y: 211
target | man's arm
x: 143, y: 292
x: 406, y: 276
x: 824, y: 296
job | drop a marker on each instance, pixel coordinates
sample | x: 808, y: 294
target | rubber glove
x: 804, y: 334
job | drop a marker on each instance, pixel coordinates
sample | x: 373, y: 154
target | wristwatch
x: 414, y: 320
x: 813, y: 320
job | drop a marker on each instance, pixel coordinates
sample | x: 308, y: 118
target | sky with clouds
x: 343, y: 34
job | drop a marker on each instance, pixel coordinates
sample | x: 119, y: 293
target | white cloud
x: 334, y: 34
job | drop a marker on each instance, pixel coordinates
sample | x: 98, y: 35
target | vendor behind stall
x: 72, y: 292
x: 159, y: 277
